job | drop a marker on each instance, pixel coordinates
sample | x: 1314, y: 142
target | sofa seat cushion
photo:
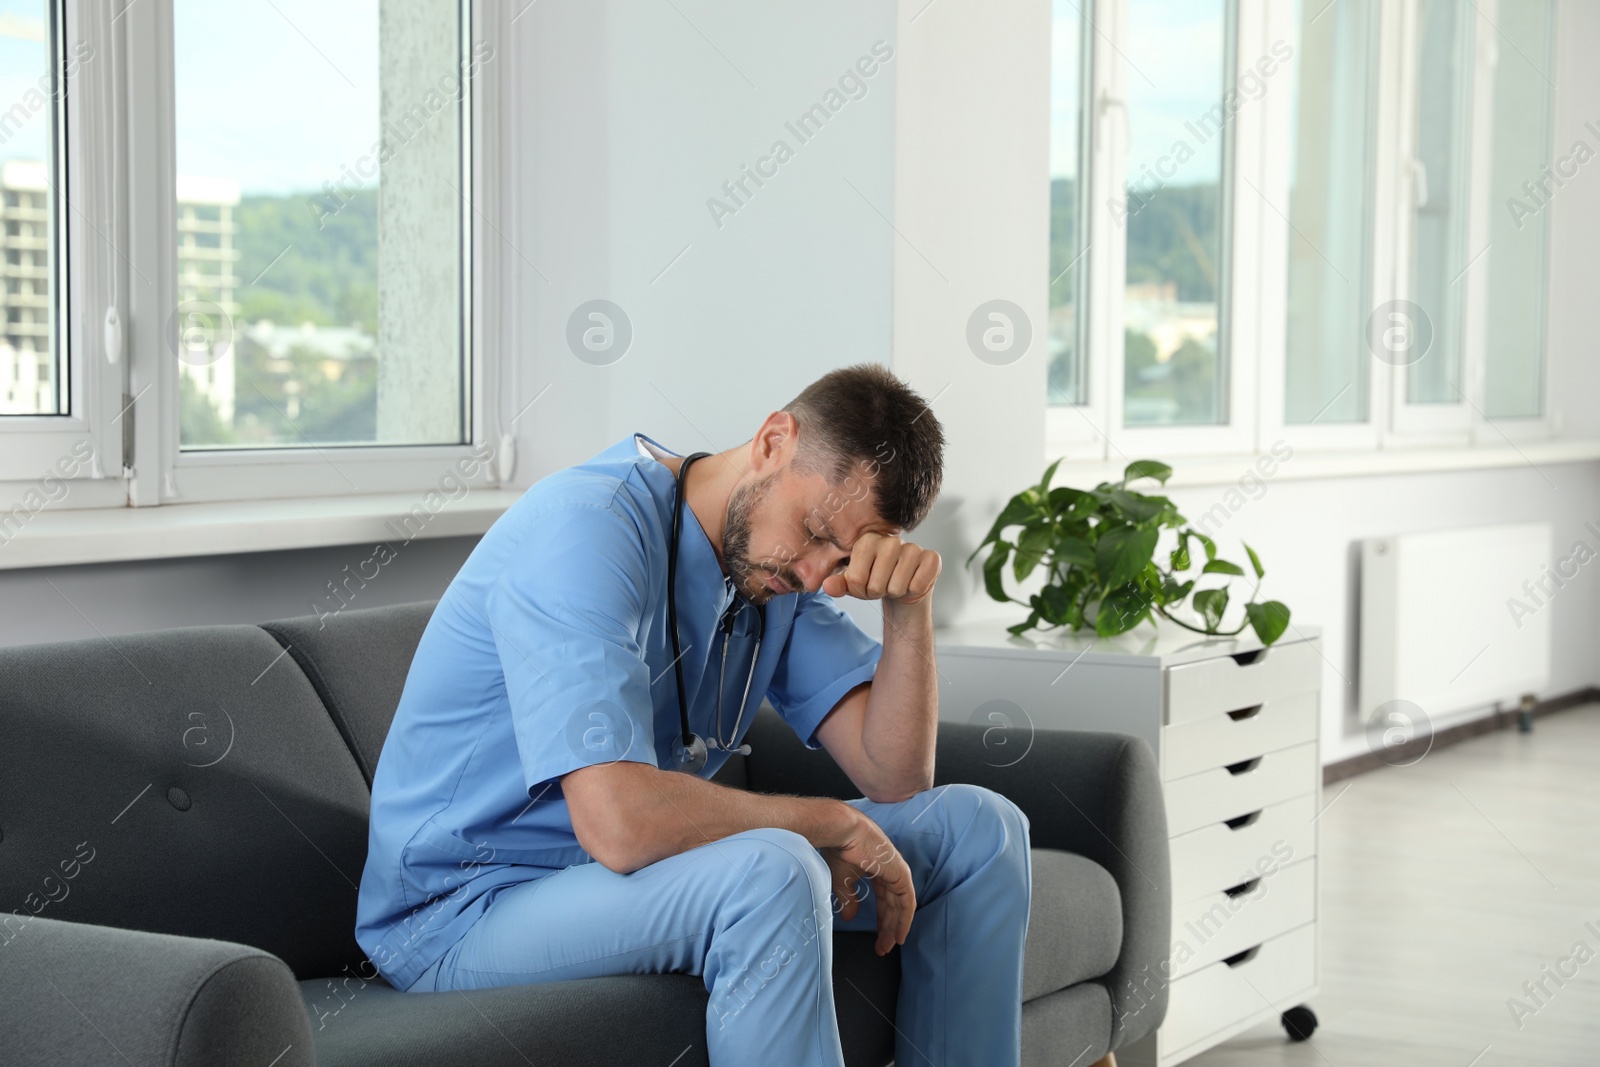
x: 1074, y: 923
x: 633, y: 1018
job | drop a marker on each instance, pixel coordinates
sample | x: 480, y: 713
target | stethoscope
x: 690, y: 752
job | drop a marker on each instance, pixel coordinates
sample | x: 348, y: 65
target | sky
x: 280, y: 95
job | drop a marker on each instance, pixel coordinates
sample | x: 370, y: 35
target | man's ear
x: 776, y: 439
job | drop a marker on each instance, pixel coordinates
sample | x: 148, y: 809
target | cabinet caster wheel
x: 1300, y: 1022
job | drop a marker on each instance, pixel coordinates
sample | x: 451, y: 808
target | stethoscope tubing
x: 689, y: 759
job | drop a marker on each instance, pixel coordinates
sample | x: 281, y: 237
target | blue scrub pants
x: 752, y: 914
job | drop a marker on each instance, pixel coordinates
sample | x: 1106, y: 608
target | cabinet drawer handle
x: 1245, y: 713
x: 1244, y: 766
x: 1242, y: 957
x: 1245, y: 659
x: 1244, y: 820
x: 1242, y: 888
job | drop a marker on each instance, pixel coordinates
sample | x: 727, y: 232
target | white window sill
x: 1307, y: 464
x: 107, y: 535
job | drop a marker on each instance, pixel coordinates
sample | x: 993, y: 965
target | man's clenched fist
x: 883, y: 567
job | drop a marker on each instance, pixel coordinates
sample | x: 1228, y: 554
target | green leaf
x: 1069, y: 503
x: 1121, y: 610
x: 1255, y: 561
x: 1044, y: 483
x: 1137, y: 507
x: 1057, y: 606
x: 1174, y: 591
x: 1269, y: 619
x: 1211, y: 546
x: 1017, y: 510
x: 1146, y: 468
x: 1122, y: 552
x: 1180, y: 553
x: 1222, y: 566
x: 1031, y: 547
x: 992, y: 571
x: 1075, y: 552
x: 1211, y: 604
x: 1032, y: 620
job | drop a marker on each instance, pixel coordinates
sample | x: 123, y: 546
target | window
x: 1524, y: 174
x: 1067, y: 383
x: 31, y: 54
x: 1329, y: 283
x: 1322, y: 222
x: 1443, y: 58
x: 1144, y: 331
x: 1480, y: 162
x: 1174, y: 346
x: 232, y: 247
x: 286, y: 249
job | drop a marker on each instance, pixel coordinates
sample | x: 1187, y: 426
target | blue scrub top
x: 549, y: 651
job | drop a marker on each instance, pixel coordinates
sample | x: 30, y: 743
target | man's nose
x: 813, y: 569
x: 810, y: 572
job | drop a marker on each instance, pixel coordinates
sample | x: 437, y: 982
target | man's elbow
x: 608, y: 851
x: 598, y: 823
x: 897, y: 792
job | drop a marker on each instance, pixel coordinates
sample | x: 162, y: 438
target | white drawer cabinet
x: 1236, y: 732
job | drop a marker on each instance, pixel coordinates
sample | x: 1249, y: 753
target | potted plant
x: 1098, y: 550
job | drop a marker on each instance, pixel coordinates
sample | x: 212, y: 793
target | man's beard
x: 748, y: 577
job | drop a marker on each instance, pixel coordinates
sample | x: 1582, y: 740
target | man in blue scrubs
x: 530, y: 821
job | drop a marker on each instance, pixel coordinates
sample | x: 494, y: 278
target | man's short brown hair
x: 863, y: 419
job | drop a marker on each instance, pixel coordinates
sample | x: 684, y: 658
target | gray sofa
x: 183, y: 823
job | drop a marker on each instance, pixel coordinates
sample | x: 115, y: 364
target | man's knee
x: 987, y: 814
x: 773, y: 861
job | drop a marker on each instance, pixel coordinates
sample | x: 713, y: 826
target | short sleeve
x: 825, y: 656
x: 565, y: 615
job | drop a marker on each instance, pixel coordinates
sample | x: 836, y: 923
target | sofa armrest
x: 82, y: 994
x: 1095, y: 794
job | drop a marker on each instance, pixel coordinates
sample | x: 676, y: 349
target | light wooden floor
x: 1445, y: 886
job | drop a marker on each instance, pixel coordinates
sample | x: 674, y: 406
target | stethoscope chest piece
x: 690, y: 758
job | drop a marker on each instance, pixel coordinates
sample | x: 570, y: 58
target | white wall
x: 972, y: 207
x: 626, y: 119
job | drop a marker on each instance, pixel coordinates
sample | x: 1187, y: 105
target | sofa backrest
x: 182, y: 781
x: 358, y: 660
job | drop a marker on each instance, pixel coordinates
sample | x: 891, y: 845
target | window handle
x: 1109, y: 103
x: 113, y: 335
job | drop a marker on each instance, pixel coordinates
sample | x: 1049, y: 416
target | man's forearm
x: 662, y: 813
x: 902, y: 720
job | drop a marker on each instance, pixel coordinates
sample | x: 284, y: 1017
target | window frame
x: 33, y: 446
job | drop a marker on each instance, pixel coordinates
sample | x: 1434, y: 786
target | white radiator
x: 1453, y: 620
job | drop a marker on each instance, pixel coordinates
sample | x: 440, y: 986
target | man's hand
x: 868, y: 853
x: 885, y: 567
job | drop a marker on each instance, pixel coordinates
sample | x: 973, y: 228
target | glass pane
x: 1440, y: 258
x: 1173, y: 364
x: 1523, y: 179
x: 1068, y: 263
x: 1325, y: 354
x: 305, y: 210
x: 32, y: 373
